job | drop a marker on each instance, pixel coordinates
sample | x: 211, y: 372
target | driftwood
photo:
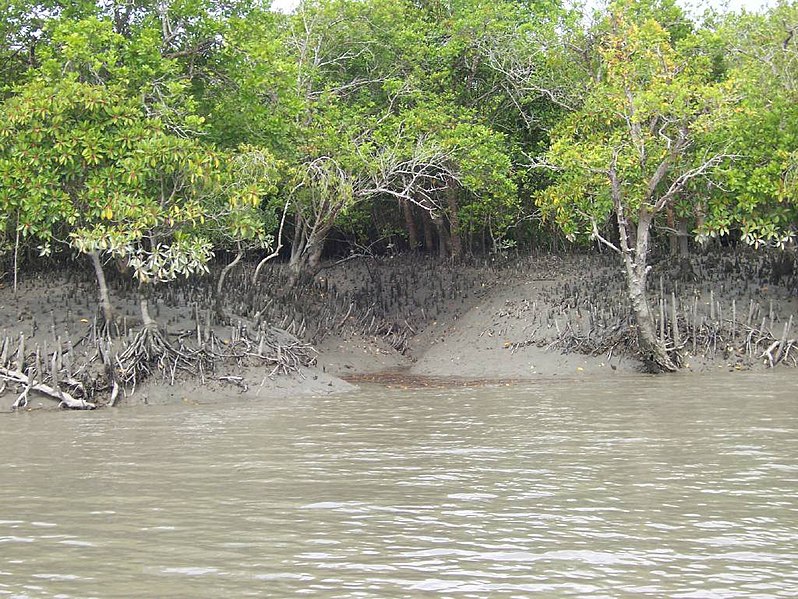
x: 65, y: 399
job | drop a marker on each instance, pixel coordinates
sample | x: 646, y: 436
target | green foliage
x: 646, y: 122
x: 98, y: 154
x: 760, y: 187
x: 155, y: 130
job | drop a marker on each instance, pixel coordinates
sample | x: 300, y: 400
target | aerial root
x: 110, y: 368
x: 270, y: 346
x: 150, y: 352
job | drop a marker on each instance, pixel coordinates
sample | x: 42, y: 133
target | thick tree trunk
x: 314, y: 257
x: 144, y: 308
x: 105, y: 299
x: 304, y: 267
x: 410, y: 225
x: 654, y: 351
x: 306, y: 253
x: 455, y: 239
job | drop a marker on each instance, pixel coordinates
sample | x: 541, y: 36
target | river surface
x: 679, y: 486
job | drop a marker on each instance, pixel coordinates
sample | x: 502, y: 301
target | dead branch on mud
x: 29, y: 384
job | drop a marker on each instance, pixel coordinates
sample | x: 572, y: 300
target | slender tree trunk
x: 700, y: 218
x: 410, y: 224
x: 429, y: 231
x: 218, y: 303
x: 673, y: 236
x: 684, y: 238
x: 443, y: 237
x: 16, y: 258
x: 105, y: 299
x: 298, y: 243
x: 455, y: 239
x: 278, y: 246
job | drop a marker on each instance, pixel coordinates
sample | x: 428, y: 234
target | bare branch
x: 678, y: 184
x: 598, y: 236
x: 277, y: 248
x: 537, y: 163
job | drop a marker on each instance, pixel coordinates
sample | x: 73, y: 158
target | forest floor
x: 413, y: 321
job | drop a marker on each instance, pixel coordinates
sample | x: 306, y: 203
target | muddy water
x: 682, y: 487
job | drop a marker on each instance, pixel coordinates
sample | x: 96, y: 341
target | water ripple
x: 650, y: 487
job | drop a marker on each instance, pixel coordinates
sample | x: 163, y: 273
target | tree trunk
x: 455, y: 240
x: 306, y: 253
x: 16, y: 258
x: 684, y: 238
x: 314, y: 258
x: 673, y: 237
x: 105, y: 300
x: 443, y: 237
x: 653, y: 348
x: 635, y: 260
x: 700, y: 218
x: 410, y: 224
x: 306, y: 265
x: 217, y: 300
x: 429, y: 231
x: 278, y: 246
x: 144, y: 307
x: 298, y: 243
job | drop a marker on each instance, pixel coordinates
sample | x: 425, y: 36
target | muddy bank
x: 493, y: 320
x: 555, y: 316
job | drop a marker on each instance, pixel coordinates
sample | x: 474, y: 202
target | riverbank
x: 414, y: 321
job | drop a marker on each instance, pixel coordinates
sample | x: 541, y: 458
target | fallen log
x: 63, y: 397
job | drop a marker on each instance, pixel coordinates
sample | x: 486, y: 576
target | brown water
x: 680, y: 487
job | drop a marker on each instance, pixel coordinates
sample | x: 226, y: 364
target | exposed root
x: 270, y: 346
x: 107, y: 368
x: 150, y: 352
x: 688, y: 331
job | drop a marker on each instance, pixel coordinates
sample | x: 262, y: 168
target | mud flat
x: 405, y: 320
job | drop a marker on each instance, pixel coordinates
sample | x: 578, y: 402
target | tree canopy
x: 162, y: 133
